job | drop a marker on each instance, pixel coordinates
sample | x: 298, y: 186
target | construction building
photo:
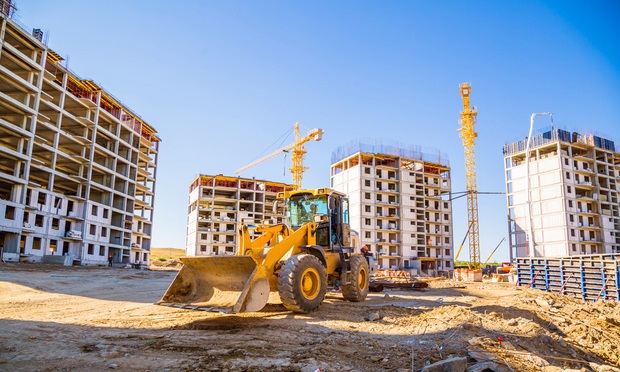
x: 219, y: 204
x: 573, y: 204
x: 77, y: 167
x: 399, y: 203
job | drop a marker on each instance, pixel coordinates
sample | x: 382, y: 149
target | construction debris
x: 373, y: 317
x: 483, y: 367
x: 454, y: 364
x: 395, y: 279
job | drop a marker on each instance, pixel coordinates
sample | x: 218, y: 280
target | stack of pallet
x: 589, y: 277
x: 467, y: 275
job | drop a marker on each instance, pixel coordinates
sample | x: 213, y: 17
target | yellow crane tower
x: 468, y: 134
x: 298, y: 150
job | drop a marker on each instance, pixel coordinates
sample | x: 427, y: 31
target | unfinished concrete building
x: 77, y: 167
x: 573, y: 183
x: 219, y: 204
x: 399, y: 200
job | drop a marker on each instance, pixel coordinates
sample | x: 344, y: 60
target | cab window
x: 303, y: 208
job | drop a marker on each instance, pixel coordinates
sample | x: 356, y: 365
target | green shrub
x: 162, y: 259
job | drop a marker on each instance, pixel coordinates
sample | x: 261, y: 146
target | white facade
x: 219, y: 204
x: 400, y: 207
x: 574, y: 183
x: 77, y: 167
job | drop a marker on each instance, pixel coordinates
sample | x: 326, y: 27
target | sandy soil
x: 82, y: 318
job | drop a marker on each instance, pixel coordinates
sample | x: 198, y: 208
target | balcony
x: 583, y: 170
x: 584, y: 197
x: 433, y: 185
x: 584, y: 185
x: 582, y: 156
x: 388, y: 242
x: 84, y: 121
x: 386, y: 191
x: 229, y: 244
x: 586, y: 211
x: 586, y: 226
x: 73, y: 235
x: 387, y: 216
x: 74, y: 216
x: 388, y: 227
x: 385, y: 254
x: 595, y: 240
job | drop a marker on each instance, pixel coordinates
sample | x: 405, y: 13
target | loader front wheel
x: 357, y: 290
x: 302, y: 283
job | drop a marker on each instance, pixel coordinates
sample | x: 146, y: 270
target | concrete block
x: 10, y: 257
x: 57, y: 260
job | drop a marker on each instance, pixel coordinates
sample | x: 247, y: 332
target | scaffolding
x: 407, y: 151
x: 7, y: 8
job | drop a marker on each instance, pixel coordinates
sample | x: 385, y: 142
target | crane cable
x: 464, y: 193
x: 283, y: 138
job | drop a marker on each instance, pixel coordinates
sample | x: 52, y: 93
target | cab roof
x: 315, y: 192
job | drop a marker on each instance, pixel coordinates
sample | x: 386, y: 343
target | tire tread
x: 351, y: 292
x: 288, y: 286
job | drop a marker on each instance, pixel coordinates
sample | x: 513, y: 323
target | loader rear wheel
x: 302, y: 283
x: 357, y: 290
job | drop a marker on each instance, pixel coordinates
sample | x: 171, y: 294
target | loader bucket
x: 230, y: 284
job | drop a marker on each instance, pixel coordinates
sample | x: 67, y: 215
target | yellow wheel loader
x: 298, y: 259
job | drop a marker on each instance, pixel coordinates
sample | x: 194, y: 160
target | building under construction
x: 573, y: 187
x: 77, y: 167
x: 399, y: 204
x: 219, y: 204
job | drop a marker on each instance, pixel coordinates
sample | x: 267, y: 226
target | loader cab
x: 328, y: 209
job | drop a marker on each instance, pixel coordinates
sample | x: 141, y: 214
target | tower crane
x: 298, y: 150
x: 468, y: 134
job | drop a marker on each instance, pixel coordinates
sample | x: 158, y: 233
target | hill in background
x: 164, y: 254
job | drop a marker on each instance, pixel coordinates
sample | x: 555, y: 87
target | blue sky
x: 221, y: 81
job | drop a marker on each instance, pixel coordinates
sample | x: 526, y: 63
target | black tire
x: 302, y: 283
x: 357, y: 290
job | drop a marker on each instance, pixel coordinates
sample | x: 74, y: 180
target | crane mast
x: 468, y: 134
x: 297, y: 169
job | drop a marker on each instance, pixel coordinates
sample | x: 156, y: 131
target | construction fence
x: 589, y: 277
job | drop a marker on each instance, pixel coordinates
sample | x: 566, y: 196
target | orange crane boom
x: 298, y: 154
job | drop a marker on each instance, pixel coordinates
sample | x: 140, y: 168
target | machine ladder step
x: 345, y: 255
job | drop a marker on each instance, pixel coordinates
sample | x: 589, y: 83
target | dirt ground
x: 85, y: 318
